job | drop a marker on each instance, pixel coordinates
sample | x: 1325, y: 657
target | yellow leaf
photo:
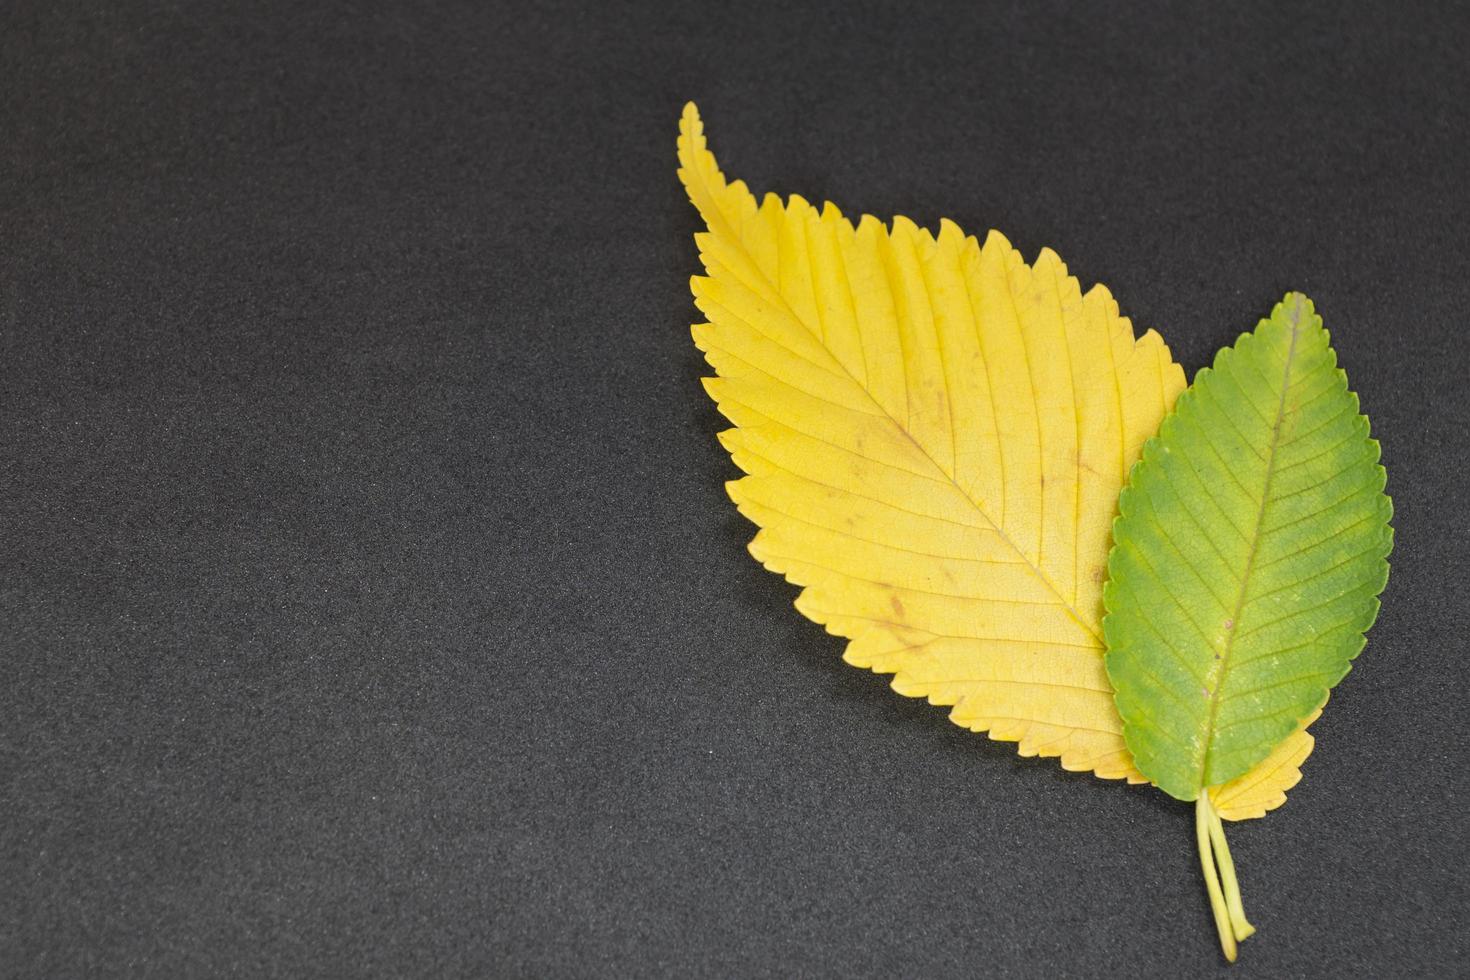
x: 935, y: 434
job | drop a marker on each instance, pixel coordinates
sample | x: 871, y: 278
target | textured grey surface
x: 371, y: 605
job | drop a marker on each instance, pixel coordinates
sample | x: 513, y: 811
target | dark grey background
x: 371, y: 604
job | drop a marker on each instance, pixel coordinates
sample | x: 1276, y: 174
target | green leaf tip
x: 1249, y: 551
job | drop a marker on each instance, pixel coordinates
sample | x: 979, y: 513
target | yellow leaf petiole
x: 1220, y: 880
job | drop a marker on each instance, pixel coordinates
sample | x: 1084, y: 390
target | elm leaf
x: 1250, y: 549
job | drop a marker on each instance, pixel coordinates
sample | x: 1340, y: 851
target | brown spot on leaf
x: 897, y: 605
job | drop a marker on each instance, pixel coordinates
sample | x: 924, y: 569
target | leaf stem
x: 1204, y: 814
x: 1238, y: 923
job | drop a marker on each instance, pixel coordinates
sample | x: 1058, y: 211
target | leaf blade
x: 1264, y: 477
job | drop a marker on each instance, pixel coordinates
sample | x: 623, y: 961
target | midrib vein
x: 1222, y: 670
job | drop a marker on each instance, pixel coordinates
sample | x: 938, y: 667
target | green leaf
x: 1250, y: 547
x: 1248, y: 556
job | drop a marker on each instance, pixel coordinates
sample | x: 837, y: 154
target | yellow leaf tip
x: 690, y: 124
